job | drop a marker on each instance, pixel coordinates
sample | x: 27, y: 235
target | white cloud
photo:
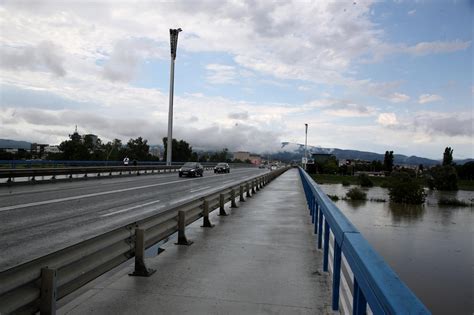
x: 387, y: 119
x: 398, y: 97
x: 411, y: 12
x: 221, y: 74
x: 428, y: 98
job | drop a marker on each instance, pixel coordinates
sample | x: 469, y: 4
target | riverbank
x: 378, y: 181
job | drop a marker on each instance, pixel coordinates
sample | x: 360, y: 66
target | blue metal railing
x: 374, y: 283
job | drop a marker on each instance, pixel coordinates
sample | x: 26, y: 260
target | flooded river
x: 430, y: 247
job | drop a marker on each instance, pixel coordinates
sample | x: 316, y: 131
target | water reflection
x: 406, y: 213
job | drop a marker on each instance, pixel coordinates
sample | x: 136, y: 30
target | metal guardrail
x: 72, y: 163
x: 33, y: 173
x: 366, y: 277
x: 38, y: 284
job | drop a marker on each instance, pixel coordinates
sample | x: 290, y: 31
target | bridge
x: 275, y: 244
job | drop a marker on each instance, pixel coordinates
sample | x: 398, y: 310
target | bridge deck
x: 259, y: 259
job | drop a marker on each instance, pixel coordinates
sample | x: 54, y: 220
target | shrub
x: 405, y: 189
x: 356, y: 194
x: 333, y: 197
x: 443, y: 178
x: 452, y: 202
x: 346, y: 183
x: 365, y: 181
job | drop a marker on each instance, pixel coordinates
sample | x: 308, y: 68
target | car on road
x: 222, y: 168
x: 191, y: 169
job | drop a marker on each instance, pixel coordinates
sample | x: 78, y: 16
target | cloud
x: 428, y: 98
x: 448, y: 124
x: 387, y: 119
x: 221, y: 74
x: 239, y: 116
x: 45, y: 56
x: 342, y: 109
x: 437, y: 47
x: 411, y: 12
x: 127, y: 54
x: 398, y: 97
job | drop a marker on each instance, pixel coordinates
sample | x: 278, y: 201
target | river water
x: 430, y: 246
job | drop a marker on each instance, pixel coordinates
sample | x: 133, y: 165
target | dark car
x: 222, y: 168
x: 191, y: 169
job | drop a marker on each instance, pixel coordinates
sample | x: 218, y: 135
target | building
x: 92, y: 137
x: 241, y: 155
x: 52, y: 149
x: 37, y: 149
x: 255, y: 159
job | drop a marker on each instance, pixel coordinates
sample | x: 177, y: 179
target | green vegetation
x: 405, y: 189
x: 356, y: 194
x: 348, y: 180
x: 453, y: 202
x: 443, y: 178
x: 346, y: 183
x: 365, y: 181
x: 333, y: 197
x: 388, y: 161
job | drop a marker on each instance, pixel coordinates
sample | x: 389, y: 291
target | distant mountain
x: 13, y: 144
x: 294, y: 151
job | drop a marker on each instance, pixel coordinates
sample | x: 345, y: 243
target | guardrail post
x: 326, y: 245
x: 248, y: 190
x: 205, y: 215
x: 336, y: 276
x: 320, y: 229
x: 253, y: 188
x: 182, y: 240
x: 48, y: 291
x: 241, y: 193
x: 221, y: 205
x: 359, y: 303
x: 140, y: 268
x: 232, y: 199
x: 257, y: 184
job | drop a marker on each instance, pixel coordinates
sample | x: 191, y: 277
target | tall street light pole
x: 306, y: 146
x: 174, y: 46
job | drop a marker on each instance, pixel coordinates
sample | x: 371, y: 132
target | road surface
x: 40, y: 219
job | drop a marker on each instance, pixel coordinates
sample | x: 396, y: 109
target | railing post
x: 205, y: 215
x: 320, y: 228
x: 140, y: 267
x: 48, y: 291
x: 248, y: 190
x: 336, y: 276
x: 182, y: 240
x: 359, y: 303
x: 257, y: 184
x: 221, y: 205
x: 232, y: 199
x: 313, y: 206
x: 241, y: 193
x: 326, y: 245
x: 253, y: 188
x: 316, y: 217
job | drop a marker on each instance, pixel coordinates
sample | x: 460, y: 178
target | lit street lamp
x: 174, y: 46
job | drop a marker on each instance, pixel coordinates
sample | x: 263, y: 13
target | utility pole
x: 306, y: 146
x: 174, y: 46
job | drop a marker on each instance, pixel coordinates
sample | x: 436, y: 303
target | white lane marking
x: 131, y: 208
x: 45, y: 202
x: 198, y: 189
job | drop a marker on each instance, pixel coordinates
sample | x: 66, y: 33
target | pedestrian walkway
x: 260, y: 259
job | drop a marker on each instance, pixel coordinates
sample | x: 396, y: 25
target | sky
x: 364, y: 75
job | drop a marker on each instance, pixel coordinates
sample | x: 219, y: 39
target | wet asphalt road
x: 39, y: 219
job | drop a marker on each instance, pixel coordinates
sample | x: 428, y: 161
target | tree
x: 74, y: 148
x: 138, y: 149
x: 448, y: 156
x: 443, y: 177
x: 181, y: 150
x: 405, y: 189
x: 114, y: 151
x: 365, y: 181
x: 388, y: 161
